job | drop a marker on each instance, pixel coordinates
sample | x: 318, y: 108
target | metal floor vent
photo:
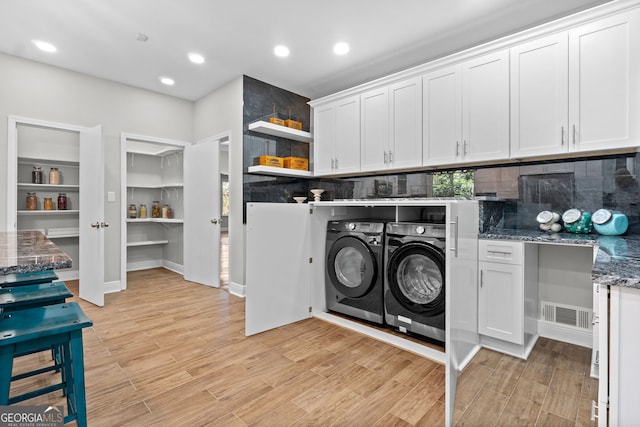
x: 569, y: 315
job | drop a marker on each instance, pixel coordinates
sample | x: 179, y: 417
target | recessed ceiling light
x: 281, y: 51
x: 340, y: 48
x: 196, y: 58
x: 167, y: 81
x: 142, y: 37
x: 45, y: 46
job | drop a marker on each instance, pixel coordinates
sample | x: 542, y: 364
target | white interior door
x: 92, y: 225
x: 278, y: 267
x: 202, y: 213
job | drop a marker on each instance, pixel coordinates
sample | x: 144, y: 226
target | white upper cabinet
x: 336, y: 142
x: 466, y: 112
x: 442, y: 116
x: 539, y: 97
x: 577, y: 90
x: 485, y: 108
x: 604, y: 83
x: 391, y: 128
x: 374, y: 130
x: 405, y: 126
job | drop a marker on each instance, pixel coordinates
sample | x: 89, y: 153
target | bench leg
x: 6, y: 366
x: 77, y: 361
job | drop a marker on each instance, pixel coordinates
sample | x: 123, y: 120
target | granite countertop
x: 28, y: 251
x: 617, y: 262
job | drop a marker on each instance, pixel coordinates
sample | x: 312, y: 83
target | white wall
x: 216, y: 113
x: 34, y: 90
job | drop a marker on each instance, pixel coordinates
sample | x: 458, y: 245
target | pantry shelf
x: 280, y: 131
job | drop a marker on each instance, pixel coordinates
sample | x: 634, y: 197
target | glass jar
x: 143, y: 210
x: 54, y: 176
x: 36, y: 175
x: 169, y: 213
x: 156, y: 212
x: 47, y: 205
x: 32, y: 202
x: 165, y: 211
x: 577, y: 221
x: 133, y: 212
x: 62, y: 201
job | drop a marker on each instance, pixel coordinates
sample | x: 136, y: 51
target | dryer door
x: 415, y: 276
x: 352, y: 267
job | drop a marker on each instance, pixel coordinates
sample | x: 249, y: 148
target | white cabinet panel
x: 405, y: 108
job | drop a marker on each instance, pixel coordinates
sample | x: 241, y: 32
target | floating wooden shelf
x: 280, y: 131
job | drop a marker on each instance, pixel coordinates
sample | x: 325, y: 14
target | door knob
x: 104, y: 224
x: 95, y: 225
x: 214, y: 221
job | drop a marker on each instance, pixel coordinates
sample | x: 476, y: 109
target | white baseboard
x: 144, y: 265
x: 237, y: 289
x: 562, y: 333
x: 176, y: 268
x: 394, y: 340
x: 68, y: 275
x: 111, y: 287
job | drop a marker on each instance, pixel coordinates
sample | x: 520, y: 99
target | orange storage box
x: 272, y: 161
x: 298, y: 163
x: 293, y: 124
x: 276, y: 121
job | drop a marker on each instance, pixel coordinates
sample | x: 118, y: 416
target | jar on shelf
x: 54, y: 176
x: 36, y: 175
x: 62, y: 201
x: 169, y: 213
x: 47, y: 205
x: 133, y: 212
x: 165, y: 211
x: 32, y: 202
x: 156, y: 212
x: 143, y: 210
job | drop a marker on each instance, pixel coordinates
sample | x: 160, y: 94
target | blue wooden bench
x: 29, y: 296
x: 28, y: 278
x: 28, y: 330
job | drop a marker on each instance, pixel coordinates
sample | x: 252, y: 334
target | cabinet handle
x: 333, y: 161
x: 336, y: 163
x: 457, y: 148
x: 214, y: 221
x: 562, y: 136
x: 455, y: 239
x: 464, y: 151
x: 574, y: 134
x: 104, y: 224
x: 385, y: 158
x: 390, y: 157
x: 95, y: 225
x: 481, y: 277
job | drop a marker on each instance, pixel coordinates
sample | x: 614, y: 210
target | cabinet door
x: 539, y: 97
x: 485, y: 108
x: 277, y: 286
x: 501, y: 302
x: 374, y: 133
x: 346, y: 145
x: 405, y: 146
x: 324, y: 121
x: 202, y: 213
x: 442, y: 129
x: 604, y: 89
x: 91, y: 222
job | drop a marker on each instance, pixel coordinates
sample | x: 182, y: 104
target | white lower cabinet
x: 619, y: 372
x: 507, y: 296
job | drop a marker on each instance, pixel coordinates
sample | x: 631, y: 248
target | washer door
x: 415, y: 275
x: 352, y: 267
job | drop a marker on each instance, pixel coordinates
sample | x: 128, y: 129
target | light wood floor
x: 167, y: 352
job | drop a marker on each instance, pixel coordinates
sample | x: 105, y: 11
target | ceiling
x: 99, y: 37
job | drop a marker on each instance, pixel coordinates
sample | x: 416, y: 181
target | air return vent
x: 568, y: 315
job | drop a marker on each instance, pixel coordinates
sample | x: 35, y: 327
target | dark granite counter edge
x: 29, y: 268
x: 617, y: 270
